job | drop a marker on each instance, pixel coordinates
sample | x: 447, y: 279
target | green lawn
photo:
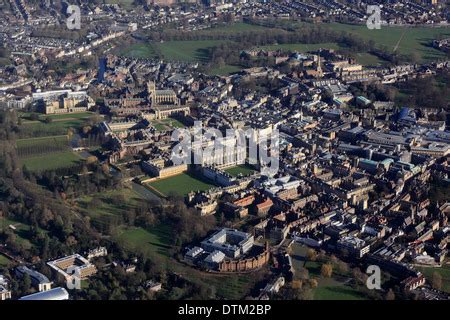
x: 59, y: 125
x: 233, y: 28
x: 444, y: 271
x: 4, y: 261
x: 28, y: 142
x: 21, y: 231
x: 245, y: 170
x: 188, y: 51
x: 181, y: 184
x: 151, y: 241
x: 224, y: 70
x: 51, y: 161
x: 412, y: 40
x: 139, y: 51
x: 301, y: 47
x: 106, y: 206
x: 167, y: 124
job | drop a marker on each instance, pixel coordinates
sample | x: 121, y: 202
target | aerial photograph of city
x: 239, y: 153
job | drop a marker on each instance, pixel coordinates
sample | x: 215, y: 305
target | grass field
x: 23, y: 143
x: 245, y: 170
x: 444, y: 271
x: 224, y: 70
x: 181, y: 184
x: 106, y: 206
x: 167, y: 124
x: 59, y: 126
x: 333, y: 288
x: 235, y: 27
x: 186, y: 51
x: 4, y: 261
x: 21, y: 231
x: 51, y: 161
x: 409, y: 40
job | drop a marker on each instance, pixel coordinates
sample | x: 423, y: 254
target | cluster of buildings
x: 63, y: 271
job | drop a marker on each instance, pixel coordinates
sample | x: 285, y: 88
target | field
x: 186, y: 51
x: 409, y: 40
x: 444, y: 271
x: 50, y: 161
x: 104, y: 204
x: 224, y: 70
x: 21, y: 231
x: 59, y: 125
x: 181, y: 184
x: 167, y: 124
x: 334, y: 288
x: 245, y: 170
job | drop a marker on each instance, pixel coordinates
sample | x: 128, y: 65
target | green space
x: 410, y: 40
x: 51, y: 161
x: 188, y: 51
x: 167, y: 124
x: 21, y: 231
x: 444, y: 271
x: 155, y: 240
x: 180, y: 184
x: 334, y: 288
x: 139, y: 51
x: 235, y: 27
x: 245, y: 170
x: 301, y: 47
x: 109, y: 203
x: 224, y: 70
x: 59, y: 125
x: 29, y: 142
x: 4, y: 261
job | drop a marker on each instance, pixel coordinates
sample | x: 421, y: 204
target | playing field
x: 185, y: 51
x: 23, y: 143
x: 51, y: 161
x: 407, y: 39
x: 181, y: 184
x: 59, y: 124
x: 245, y: 170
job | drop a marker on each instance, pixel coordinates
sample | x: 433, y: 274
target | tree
x: 390, y: 295
x: 436, y: 281
x: 326, y: 270
x: 311, y: 255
